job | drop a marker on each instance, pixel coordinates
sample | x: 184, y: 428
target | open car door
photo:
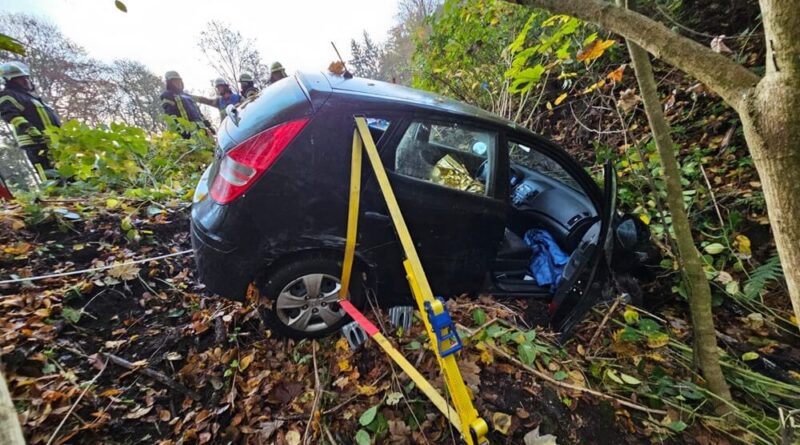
x: 581, y: 284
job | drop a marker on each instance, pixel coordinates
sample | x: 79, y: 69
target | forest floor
x: 140, y: 354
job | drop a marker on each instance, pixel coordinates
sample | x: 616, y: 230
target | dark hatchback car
x: 272, y: 208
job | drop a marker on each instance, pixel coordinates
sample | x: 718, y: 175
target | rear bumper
x: 221, y: 266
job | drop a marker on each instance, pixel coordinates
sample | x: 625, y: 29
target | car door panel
x: 456, y: 233
x: 581, y: 284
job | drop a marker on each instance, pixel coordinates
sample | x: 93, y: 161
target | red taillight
x: 241, y: 167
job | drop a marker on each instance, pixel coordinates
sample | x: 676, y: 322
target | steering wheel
x: 482, y: 174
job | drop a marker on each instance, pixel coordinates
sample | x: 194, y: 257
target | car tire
x: 289, y: 307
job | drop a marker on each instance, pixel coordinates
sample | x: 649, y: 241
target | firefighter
x: 225, y: 97
x: 247, y: 86
x: 175, y: 102
x: 27, y: 114
x: 276, y: 72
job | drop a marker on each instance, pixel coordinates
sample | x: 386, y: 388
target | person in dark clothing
x: 27, y: 114
x: 225, y: 97
x: 276, y: 72
x: 175, y: 102
x: 247, y: 86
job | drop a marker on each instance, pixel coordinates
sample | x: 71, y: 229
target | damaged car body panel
x: 475, y: 190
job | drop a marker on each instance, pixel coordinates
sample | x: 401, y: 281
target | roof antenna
x: 347, y: 73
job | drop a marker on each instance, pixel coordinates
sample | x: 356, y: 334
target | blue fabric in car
x: 548, y: 260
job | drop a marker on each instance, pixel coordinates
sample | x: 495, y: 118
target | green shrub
x: 128, y: 159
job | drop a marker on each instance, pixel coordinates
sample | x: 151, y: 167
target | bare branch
x: 726, y: 77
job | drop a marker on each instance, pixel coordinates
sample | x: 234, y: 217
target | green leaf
x: 589, y: 39
x: 121, y: 6
x: 362, y: 438
x: 413, y: 345
x: 714, y: 248
x: 750, y: 356
x: 629, y: 379
x: 630, y: 315
x: 126, y: 224
x: 648, y: 326
x: 560, y: 375
x: 369, y: 415
x: 526, y: 353
x: 611, y: 374
x: 516, y: 45
x: 495, y: 331
x: 692, y: 394
x: 479, y: 316
x: 677, y: 426
x: 379, y: 425
x: 132, y: 235
x: 10, y: 44
x: 71, y: 314
x: 629, y: 334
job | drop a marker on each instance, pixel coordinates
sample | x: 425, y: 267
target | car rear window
x: 280, y: 102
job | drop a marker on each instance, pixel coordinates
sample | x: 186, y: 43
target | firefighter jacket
x: 249, y: 92
x: 180, y: 104
x: 27, y: 114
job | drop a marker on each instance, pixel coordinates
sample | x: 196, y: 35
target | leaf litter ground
x: 140, y: 354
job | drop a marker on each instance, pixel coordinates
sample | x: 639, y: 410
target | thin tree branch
x: 724, y: 76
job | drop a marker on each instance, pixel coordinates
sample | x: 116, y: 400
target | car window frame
x: 494, y: 189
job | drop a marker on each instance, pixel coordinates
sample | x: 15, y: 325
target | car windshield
x: 524, y: 156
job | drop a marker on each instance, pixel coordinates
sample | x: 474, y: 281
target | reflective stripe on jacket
x: 27, y: 114
x: 181, y: 105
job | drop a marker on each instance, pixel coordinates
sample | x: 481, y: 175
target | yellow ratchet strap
x: 476, y: 428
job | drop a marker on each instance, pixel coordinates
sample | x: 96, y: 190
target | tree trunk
x: 705, y: 338
x: 10, y: 431
x: 771, y: 120
x: 769, y: 107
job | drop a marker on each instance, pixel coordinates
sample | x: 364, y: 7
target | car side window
x: 537, y: 161
x: 378, y: 126
x: 449, y: 154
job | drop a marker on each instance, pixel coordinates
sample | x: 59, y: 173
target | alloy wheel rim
x: 310, y: 303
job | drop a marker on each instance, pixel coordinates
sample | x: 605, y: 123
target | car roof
x: 390, y: 92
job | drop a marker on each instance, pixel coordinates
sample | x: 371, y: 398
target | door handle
x: 378, y: 217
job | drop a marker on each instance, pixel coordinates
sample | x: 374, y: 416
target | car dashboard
x: 539, y: 201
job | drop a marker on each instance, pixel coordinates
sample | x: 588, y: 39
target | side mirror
x: 233, y: 114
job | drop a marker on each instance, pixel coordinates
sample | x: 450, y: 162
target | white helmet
x: 170, y: 75
x: 10, y: 70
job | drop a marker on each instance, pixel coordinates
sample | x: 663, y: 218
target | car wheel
x: 303, y: 298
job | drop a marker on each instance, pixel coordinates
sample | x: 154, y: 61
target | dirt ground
x: 142, y: 355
